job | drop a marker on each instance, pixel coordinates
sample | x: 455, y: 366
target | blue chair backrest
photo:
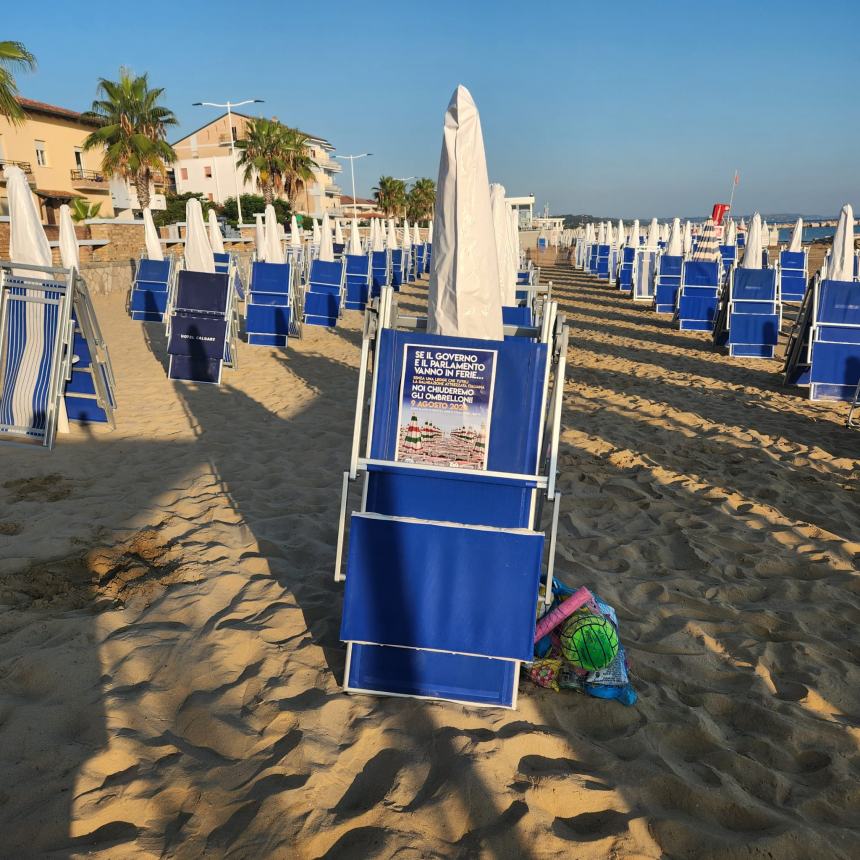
x: 729, y: 253
x: 330, y: 274
x: 202, y: 291
x: 701, y: 273
x: 397, y: 259
x: 270, y: 278
x: 357, y: 264
x: 221, y: 257
x: 379, y: 259
x: 153, y: 270
x: 838, y: 303
x: 754, y: 285
x: 517, y: 398
x: 670, y: 265
x: 338, y: 247
x: 628, y: 255
x: 792, y: 260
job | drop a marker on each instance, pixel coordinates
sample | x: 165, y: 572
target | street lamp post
x: 230, y: 106
x: 351, y: 159
x: 404, y: 180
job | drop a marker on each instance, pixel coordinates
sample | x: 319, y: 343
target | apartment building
x: 205, y: 165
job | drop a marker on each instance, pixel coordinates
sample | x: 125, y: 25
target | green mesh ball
x: 589, y: 641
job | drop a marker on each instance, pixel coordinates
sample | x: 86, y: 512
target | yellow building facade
x: 48, y: 146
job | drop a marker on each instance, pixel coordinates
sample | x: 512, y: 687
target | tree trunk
x: 141, y: 185
x: 268, y: 193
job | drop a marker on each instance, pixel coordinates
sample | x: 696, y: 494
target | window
x: 41, y: 154
x: 235, y: 133
x: 79, y: 158
x: 183, y: 173
x: 207, y: 172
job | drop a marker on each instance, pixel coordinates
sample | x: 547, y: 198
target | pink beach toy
x: 564, y: 610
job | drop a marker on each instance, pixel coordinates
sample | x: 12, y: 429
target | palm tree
x: 13, y: 56
x: 277, y: 156
x: 82, y: 209
x: 421, y: 200
x: 390, y: 195
x: 132, y: 131
x: 299, y: 164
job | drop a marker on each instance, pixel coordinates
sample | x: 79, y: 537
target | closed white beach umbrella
x: 653, y: 234
x: 601, y: 234
x: 416, y: 234
x: 743, y: 225
x: 295, y: 235
x: 430, y: 232
x: 731, y: 234
x: 504, y: 253
x: 514, y: 220
x: 378, y: 240
x: 354, y: 238
x: 765, y: 235
x: 326, y: 247
x: 633, y: 238
x: 150, y: 237
x: 407, y: 237
x: 391, y: 239
x: 675, y: 245
x: 796, y: 243
x: 315, y: 232
x: 841, y: 264
x: 463, y: 298
x: 198, y: 251
x: 752, y: 250
x: 215, y: 239
x: 274, y: 250
x: 338, y: 232
x: 619, y: 234
x: 688, y: 237
x: 28, y: 243
x: 69, y: 253
x: 664, y: 232
x: 259, y: 237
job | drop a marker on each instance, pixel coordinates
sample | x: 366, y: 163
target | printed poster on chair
x: 446, y: 406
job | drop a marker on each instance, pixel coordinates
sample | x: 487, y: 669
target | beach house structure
x: 524, y: 207
x: 205, y: 166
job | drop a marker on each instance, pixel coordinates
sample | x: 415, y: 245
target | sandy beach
x: 170, y: 666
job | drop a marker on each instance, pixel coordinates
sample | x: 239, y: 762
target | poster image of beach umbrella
x: 429, y: 431
x: 326, y: 252
x: 463, y: 297
x: 198, y: 251
x: 259, y: 237
x: 150, y: 237
x: 412, y: 441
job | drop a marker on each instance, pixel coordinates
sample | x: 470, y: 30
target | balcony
x: 24, y: 165
x: 333, y: 190
x: 92, y: 179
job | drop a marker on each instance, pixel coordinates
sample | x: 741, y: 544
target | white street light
x: 230, y: 106
x: 351, y: 159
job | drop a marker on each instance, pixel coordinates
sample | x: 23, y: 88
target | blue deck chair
x: 428, y: 253
x: 742, y: 240
x: 792, y: 275
x: 667, y: 282
x: 644, y: 270
x: 89, y: 392
x: 323, y: 301
x: 602, y: 261
x: 728, y: 258
x: 338, y: 248
x: 200, y: 327
x: 222, y: 262
x: 625, y: 270
x: 380, y: 272
x: 409, y: 265
x: 431, y: 542
x: 420, y: 253
x: 397, y: 261
x: 150, y: 290
x: 753, y: 316
x: 271, y: 310
x: 698, y: 295
x: 357, y: 281
x: 592, y: 258
x: 36, y: 342
x: 834, y: 356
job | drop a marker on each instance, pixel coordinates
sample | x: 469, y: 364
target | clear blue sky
x: 620, y: 108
